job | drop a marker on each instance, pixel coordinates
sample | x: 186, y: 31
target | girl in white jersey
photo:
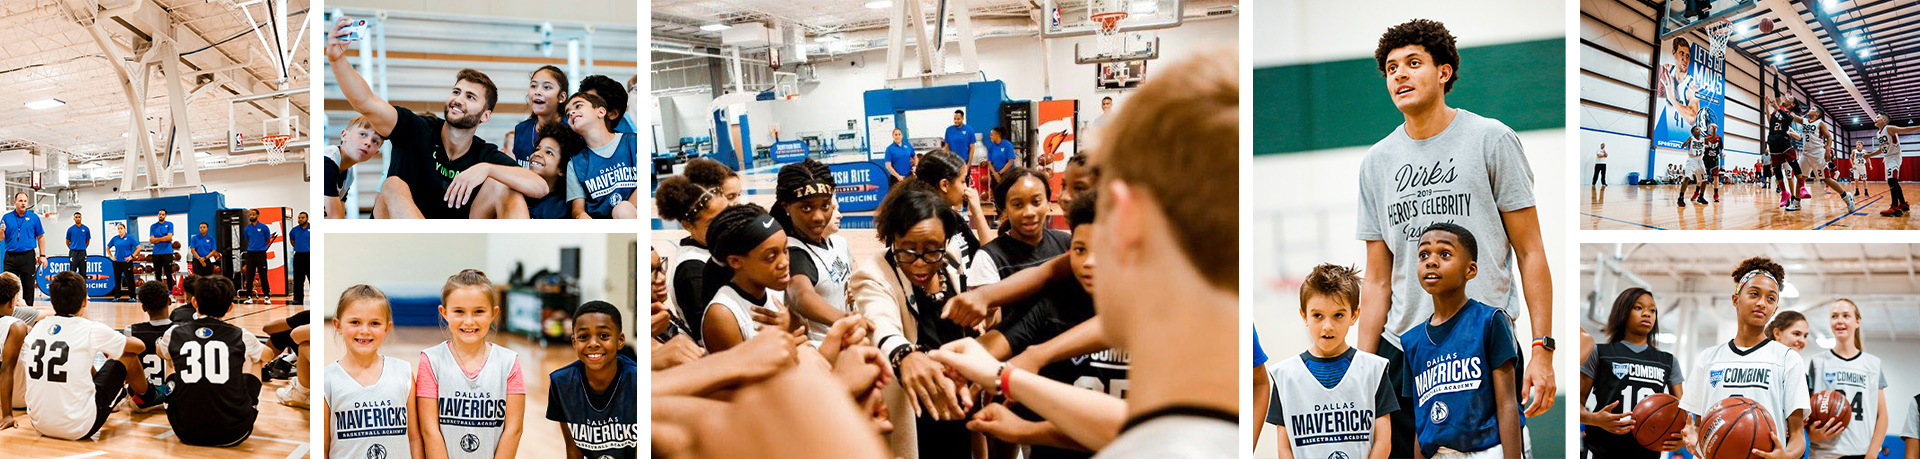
x: 369, y: 397
x: 470, y: 397
x: 750, y: 251
x: 819, y: 262
x: 1753, y: 366
x: 1858, y: 376
x: 1887, y: 142
x: 692, y: 204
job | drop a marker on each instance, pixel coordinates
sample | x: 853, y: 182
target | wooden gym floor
x: 539, y: 437
x: 281, y: 432
x: 1741, y: 207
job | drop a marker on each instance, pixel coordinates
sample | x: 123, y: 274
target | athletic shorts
x: 1778, y: 159
x: 1713, y: 164
x: 1695, y: 166
x: 1892, y: 165
x: 1813, y: 164
x: 109, y: 388
x: 284, y: 340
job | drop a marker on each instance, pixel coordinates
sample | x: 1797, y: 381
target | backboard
x: 251, y: 118
x: 1682, y: 16
x: 1069, y: 18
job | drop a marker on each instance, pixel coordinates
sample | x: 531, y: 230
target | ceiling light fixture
x: 45, y: 104
x: 715, y: 27
x: 879, y: 4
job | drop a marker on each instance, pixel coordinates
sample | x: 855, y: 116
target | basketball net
x: 1717, y: 34
x: 276, y: 148
x: 1111, y: 41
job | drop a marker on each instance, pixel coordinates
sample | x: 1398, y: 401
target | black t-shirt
x: 1626, y: 376
x: 422, y: 161
x: 333, y: 185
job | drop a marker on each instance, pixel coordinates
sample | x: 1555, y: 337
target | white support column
x: 963, y: 25
x: 177, y: 100
x: 896, y: 47
x: 137, y: 142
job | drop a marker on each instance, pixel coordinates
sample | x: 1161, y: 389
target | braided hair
x: 787, y: 186
x: 680, y: 200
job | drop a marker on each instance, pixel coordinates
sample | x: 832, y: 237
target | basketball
x: 176, y: 245
x: 1734, y: 429
x: 1830, y: 405
x: 1655, y: 418
x: 1766, y: 25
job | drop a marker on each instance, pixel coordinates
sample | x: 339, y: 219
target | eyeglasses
x: 905, y: 256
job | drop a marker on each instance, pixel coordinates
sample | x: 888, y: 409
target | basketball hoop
x: 1717, y: 34
x: 1109, y: 32
x: 276, y: 148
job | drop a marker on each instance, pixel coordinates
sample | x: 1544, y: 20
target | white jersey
x: 832, y: 266
x: 1330, y: 422
x: 1771, y: 374
x: 681, y: 254
x: 473, y: 411
x: 369, y: 421
x: 1859, y: 381
x: 741, y: 307
x: 1889, y: 144
x: 1913, y: 420
x: 58, y: 355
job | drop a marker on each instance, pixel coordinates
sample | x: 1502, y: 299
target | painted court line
x: 78, y: 456
x: 1623, y: 221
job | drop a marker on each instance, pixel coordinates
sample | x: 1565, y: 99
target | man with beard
x: 439, y: 168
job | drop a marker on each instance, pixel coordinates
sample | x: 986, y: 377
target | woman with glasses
x: 902, y: 291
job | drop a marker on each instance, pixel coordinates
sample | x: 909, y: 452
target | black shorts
x: 1713, y: 164
x: 109, y: 388
x: 284, y: 340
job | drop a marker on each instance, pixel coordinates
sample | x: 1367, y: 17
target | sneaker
x: 277, y: 369
x: 155, y: 398
x: 1891, y: 211
x: 1803, y: 192
x: 1698, y: 200
x: 293, y: 395
x: 1848, y: 197
x: 1783, y: 199
x: 1683, y: 203
x: 1793, y: 206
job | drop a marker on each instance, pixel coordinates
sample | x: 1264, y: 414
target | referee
x: 24, y: 243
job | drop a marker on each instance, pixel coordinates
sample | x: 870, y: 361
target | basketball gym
x: 1852, y: 59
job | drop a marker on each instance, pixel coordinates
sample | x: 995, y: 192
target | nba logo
x: 56, y: 329
x: 239, y: 140
x: 1619, y: 370
x: 1337, y: 455
x: 1713, y: 377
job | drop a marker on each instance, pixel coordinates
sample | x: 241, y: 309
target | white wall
x: 244, y: 187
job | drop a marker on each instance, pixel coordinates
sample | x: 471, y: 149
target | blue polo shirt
x: 78, y: 236
x: 300, y: 239
x: 161, y: 229
x: 258, y: 237
x: 999, y: 153
x: 202, y: 245
x: 121, y: 248
x: 959, y: 140
x: 23, y: 231
x: 901, y: 157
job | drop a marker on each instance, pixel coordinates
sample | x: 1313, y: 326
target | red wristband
x: 1006, y: 382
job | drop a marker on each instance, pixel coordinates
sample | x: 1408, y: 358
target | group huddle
x: 466, y: 397
x: 576, y: 156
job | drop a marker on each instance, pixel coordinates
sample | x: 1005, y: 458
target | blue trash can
x: 1633, y: 178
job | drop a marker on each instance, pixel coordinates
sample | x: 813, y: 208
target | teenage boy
x: 1446, y: 164
x: 594, y: 398
x: 439, y: 168
x: 67, y: 398
x: 25, y: 241
x: 258, y: 238
x: 1331, y: 380
x: 1464, y: 356
x: 154, y: 300
x: 121, y: 250
x: 161, y: 234
x: 215, y: 396
x: 358, y: 143
x: 204, y: 252
x: 601, y: 180
x: 78, y: 237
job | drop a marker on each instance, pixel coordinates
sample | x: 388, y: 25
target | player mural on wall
x: 1692, y: 91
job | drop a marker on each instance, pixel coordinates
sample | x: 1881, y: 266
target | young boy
x: 154, y: 299
x: 358, y: 143
x: 1463, y: 357
x: 13, y: 334
x: 594, y: 399
x: 600, y: 181
x: 215, y: 391
x: 554, y: 145
x: 66, y: 397
x: 1332, y: 400
x: 186, y: 312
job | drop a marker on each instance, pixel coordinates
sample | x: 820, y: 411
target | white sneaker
x: 1848, y: 197
x: 293, y: 395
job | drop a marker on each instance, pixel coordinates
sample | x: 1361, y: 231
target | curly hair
x: 1083, y: 209
x: 680, y: 200
x: 708, y: 173
x: 1425, y: 33
x: 570, y: 142
x: 1341, y: 283
x: 1760, y: 264
x: 910, y: 203
x: 1004, y: 183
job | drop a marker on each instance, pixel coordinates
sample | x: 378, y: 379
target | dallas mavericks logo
x: 378, y: 451
x: 203, y: 333
x: 1619, y: 370
x: 1337, y: 455
x: 1713, y: 377
x: 56, y: 330
x: 470, y: 443
x: 1439, y: 413
x: 1829, y: 376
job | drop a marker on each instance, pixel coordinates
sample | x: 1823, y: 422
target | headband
x: 699, y: 205
x: 813, y: 186
x: 1757, y: 272
x: 740, y: 240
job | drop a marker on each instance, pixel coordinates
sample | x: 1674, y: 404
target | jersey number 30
x: 46, y: 361
x: 204, y: 361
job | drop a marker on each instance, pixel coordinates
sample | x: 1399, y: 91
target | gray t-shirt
x: 1175, y: 437
x: 1467, y: 175
x: 574, y: 189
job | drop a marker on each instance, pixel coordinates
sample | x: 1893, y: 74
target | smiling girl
x: 819, y: 262
x: 370, y: 389
x: 750, y: 250
x: 1024, y: 203
x: 470, y: 395
x: 1858, y: 376
x: 546, y: 87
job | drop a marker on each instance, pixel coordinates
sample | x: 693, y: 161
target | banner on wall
x: 858, y: 186
x: 1691, y: 91
x: 789, y: 151
x: 1055, y: 141
x: 99, y: 274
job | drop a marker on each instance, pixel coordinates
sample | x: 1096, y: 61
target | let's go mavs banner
x: 1691, y: 92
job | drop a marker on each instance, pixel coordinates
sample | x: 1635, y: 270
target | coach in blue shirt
x: 899, y: 159
x: 960, y: 137
x: 24, y: 243
x: 120, y: 249
x: 161, y: 234
x: 78, y: 236
x: 259, y: 238
x: 204, y: 252
x: 302, y: 241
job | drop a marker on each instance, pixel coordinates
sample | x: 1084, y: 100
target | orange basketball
x: 1830, y: 405
x: 1655, y: 418
x: 1734, y: 429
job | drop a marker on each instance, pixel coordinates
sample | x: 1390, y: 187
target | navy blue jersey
x: 525, y: 135
x: 606, y: 181
x: 1453, y: 378
x: 605, y: 425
